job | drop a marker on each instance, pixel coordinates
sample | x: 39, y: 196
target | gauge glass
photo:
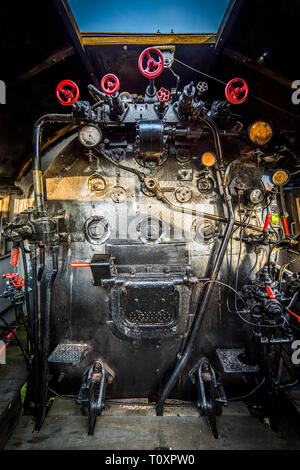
x: 90, y: 135
x: 208, y: 159
x: 260, y: 132
x: 280, y: 177
x: 256, y: 196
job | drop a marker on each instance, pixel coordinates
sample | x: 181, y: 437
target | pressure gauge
x: 90, y: 135
x: 280, y: 177
x: 208, y: 159
x: 260, y: 132
x: 256, y: 196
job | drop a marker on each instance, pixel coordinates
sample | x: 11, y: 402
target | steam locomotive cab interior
x: 154, y: 229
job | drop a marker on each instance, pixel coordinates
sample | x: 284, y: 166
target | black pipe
x: 33, y: 379
x: 196, y: 133
x: 43, y: 380
x: 40, y: 273
x: 201, y: 308
x: 30, y: 335
x: 151, y: 88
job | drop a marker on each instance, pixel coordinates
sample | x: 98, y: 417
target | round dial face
x: 208, y: 159
x: 280, y: 177
x: 90, y: 135
x: 260, y: 132
x: 256, y: 196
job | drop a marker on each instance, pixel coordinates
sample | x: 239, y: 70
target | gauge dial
x: 256, y: 196
x: 208, y: 159
x: 90, y: 135
x: 280, y: 177
x: 260, y: 132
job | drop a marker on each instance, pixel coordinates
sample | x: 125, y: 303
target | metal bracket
x: 168, y: 55
x: 92, y: 391
x: 101, y: 268
x: 211, y: 394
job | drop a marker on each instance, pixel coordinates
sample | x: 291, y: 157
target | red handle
x: 233, y: 91
x: 286, y: 227
x: 7, y: 337
x: 267, y: 221
x: 110, y: 84
x: 10, y: 275
x: 153, y: 68
x: 270, y: 293
x: 14, y: 256
x: 18, y: 282
x: 67, y: 92
x: 80, y: 265
x: 163, y: 95
x: 294, y: 315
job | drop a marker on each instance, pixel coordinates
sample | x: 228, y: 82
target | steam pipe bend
x: 201, y: 308
x: 36, y: 161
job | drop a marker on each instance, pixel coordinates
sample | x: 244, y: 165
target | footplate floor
x: 69, y: 353
x: 137, y: 428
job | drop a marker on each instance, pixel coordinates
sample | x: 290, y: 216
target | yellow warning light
x: 260, y: 132
x: 280, y: 177
x: 208, y: 159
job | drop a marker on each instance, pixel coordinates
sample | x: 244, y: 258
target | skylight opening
x: 136, y: 16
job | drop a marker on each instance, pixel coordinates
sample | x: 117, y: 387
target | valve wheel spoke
x: 67, y: 92
x: 153, y: 67
x: 232, y: 91
x: 110, y: 84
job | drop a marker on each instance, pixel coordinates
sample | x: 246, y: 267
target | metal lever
x: 211, y: 394
x: 92, y: 392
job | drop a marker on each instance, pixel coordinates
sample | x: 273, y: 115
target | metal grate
x: 154, y: 304
x: 68, y: 353
x: 161, y: 317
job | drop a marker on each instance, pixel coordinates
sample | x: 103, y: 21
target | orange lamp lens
x: 208, y: 159
x: 280, y: 177
x: 260, y: 132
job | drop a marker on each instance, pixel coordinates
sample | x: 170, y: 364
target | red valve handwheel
x: 18, y: 282
x: 153, y: 68
x: 67, y: 92
x: 110, y: 84
x: 10, y: 275
x: 233, y: 90
x: 163, y: 95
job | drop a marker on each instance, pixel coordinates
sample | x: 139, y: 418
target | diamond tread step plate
x: 231, y: 362
x: 69, y: 353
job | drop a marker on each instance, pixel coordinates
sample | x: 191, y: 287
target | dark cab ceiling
x: 41, y: 45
